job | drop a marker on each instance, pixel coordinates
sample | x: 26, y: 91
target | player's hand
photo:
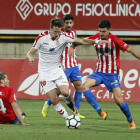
x: 31, y: 61
x: 25, y: 124
x: 71, y: 51
x: 63, y: 68
x: 103, y: 41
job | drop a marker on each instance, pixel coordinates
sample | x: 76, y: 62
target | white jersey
x: 50, y: 51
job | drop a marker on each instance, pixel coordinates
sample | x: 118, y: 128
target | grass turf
x: 53, y: 127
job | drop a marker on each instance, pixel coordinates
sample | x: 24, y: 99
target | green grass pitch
x: 53, y: 127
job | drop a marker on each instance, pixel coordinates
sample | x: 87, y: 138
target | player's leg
x: 64, y: 89
x: 50, y: 90
x: 75, y: 78
x: 47, y: 105
x: 123, y: 106
x: 93, y: 80
x: 112, y: 83
x: 78, y: 96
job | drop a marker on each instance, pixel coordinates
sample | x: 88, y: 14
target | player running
x: 70, y: 66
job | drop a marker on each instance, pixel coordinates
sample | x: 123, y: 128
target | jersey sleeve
x: 12, y: 97
x: 94, y: 37
x: 120, y: 44
x: 69, y: 39
x: 37, y: 42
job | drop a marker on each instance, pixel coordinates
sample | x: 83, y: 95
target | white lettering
x: 99, y: 9
x: 137, y: 10
x: 77, y: 8
x: 69, y: 9
x: 99, y: 5
x: 98, y: 94
x: 39, y: 12
x: 46, y: 8
x: 88, y: 9
x: 107, y: 5
x: 128, y: 95
x: 128, y: 78
x: 106, y: 95
x: 132, y: 5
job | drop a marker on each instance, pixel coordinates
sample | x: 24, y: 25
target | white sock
x: 61, y: 110
x: 68, y: 99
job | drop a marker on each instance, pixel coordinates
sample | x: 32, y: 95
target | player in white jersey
x: 50, y: 46
x: 107, y: 71
x: 71, y: 68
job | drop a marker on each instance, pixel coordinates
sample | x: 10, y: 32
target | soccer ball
x: 73, y: 122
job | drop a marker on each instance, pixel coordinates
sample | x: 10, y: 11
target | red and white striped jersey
x: 65, y: 60
x: 109, y: 54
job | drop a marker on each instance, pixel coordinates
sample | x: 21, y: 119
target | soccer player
x: 9, y: 111
x: 51, y: 44
x: 70, y: 66
x: 108, y: 67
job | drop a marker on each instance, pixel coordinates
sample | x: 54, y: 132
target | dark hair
x: 2, y: 76
x: 104, y: 24
x: 68, y: 17
x: 57, y: 22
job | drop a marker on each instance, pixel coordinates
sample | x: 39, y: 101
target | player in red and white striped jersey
x: 108, y: 67
x: 50, y: 46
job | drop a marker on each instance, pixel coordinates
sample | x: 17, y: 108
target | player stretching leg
x: 108, y: 67
x: 70, y: 67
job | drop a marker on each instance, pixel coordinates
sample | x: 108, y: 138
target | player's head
x: 68, y: 22
x: 56, y: 25
x: 104, y: 29
x: 4, y: 81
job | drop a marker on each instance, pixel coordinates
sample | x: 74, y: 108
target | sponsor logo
x: 0, y: 93
x: 46, y: 43
x: 114, y: 82
x: 24, y: 8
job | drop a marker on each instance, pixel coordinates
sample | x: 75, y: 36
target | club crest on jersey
x: 57, y: 42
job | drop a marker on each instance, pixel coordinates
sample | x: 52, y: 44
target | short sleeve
x: 37, y: 42
x: 120, y: 44
x: 68, y: 39
x: 12, y: 96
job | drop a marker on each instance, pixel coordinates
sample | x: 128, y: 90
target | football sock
x: 61, y: 110
x: 68, y: 98
x: 77, y: 99
x: 126, y: 111
x: 49, y: 101
x: 92, y: 100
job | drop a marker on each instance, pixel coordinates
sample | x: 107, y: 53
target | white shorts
x: 60, y: 80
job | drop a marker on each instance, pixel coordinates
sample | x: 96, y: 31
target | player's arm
x: 30, y: 56
x: 89, y: 41
x: 133, y: 52
x: 18, y: 113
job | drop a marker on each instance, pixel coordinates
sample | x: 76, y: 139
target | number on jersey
x: 2, y: 108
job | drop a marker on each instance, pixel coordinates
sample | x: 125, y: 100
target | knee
x: 54, y: 100
x: 119, y: 101
x: 65, y: 93
x: 84, y: 87
x: 78, y: 87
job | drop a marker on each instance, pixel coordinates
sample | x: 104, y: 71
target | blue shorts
x: 15, y: 121
x: 73, y: 74
x: 111, y: 80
